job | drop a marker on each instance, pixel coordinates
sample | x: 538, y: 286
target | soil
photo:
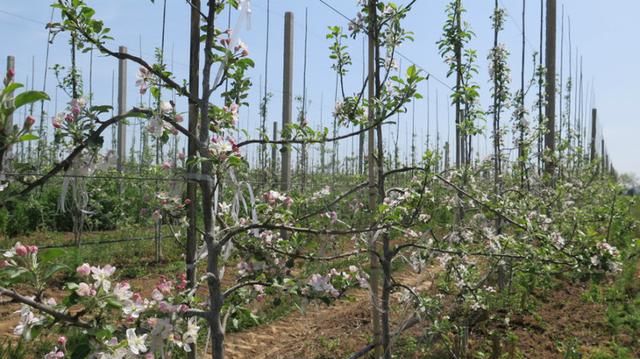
x: 322, y: 331
x: 339, y: 330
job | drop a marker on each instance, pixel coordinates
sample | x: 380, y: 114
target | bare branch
x: 66, y: 163
x: 59, y: 316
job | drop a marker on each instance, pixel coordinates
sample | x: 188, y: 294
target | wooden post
x: 274, y: 153
x: 122, y: 108
x: 604, y: 163
x: 550, y: 113
x: 287, y: 100
x: 446, y: 156
x: 594, y: 129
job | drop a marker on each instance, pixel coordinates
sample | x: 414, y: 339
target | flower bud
x: 21, y: 250
x: 84, y: 270
x: 29, y: 122
x: 56, y: 123
x: 62, y: 340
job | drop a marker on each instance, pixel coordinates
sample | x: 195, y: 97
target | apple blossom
x: 143, y: 79
x: 21, y: 250
x: 101, y: 276
x: 29, y: 122
x: 62, y: 340
x: 85, y: 290
x: 190, y: 336
x: 165, y: 106
x: 242, y: 48
x: 56, y: 121
x: 84, y: 270
x: 136, y: 343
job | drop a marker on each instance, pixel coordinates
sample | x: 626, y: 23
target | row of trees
x: 494, y: 231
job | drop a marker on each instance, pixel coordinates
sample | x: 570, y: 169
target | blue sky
x: 603, y: 32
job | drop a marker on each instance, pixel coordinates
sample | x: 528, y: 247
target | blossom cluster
x: 320, y: 284
x: 153, y: 326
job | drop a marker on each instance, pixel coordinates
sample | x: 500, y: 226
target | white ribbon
x: 245, y: 17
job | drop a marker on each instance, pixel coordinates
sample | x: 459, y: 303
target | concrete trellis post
x: 287, y: 101
x: 594, y: 129
x: 274, y: 152
x: 122, y: 108
x: 550, y: 113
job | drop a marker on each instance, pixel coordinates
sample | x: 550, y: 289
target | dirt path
x: 320, y: 332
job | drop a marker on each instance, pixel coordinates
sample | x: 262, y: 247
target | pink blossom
x: 29, y: 122
x: 166, y: 165
x: 179, y: 118
x: 271, y: 197
x: 21, y: 250
x: 166, y: 307
x: 77, y: 105
x: 84, y: 270
x: 182, y: 281
x: 181, y: 156
x: 156, y: 295
x: 56, y: 121
x: 85, y: 290
x: 143, y: 78
x: 164, y: 286
x: 62, y: 340
x: 32, y: 249
x: 242, y: 48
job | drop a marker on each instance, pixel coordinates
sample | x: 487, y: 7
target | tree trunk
x: 374, y: 280
x: 192, y: 233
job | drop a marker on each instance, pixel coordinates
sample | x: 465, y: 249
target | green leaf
x: 15, y: 272
x: 30, y: 97
x: 27, y: 137
x: 54, y: 269
x: 11, y: 87
x: 100, y: 109
x: 82, y: 351
x: 113, y: 303
x: 155, y: 92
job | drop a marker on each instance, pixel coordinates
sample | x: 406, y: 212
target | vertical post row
x: 274, y: 153
x: 122, y: 108
x: 287, y: 101
x: 594, y: 129
x: 550, y: 113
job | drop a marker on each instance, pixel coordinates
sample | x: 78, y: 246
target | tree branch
x: 66, y: 163
x: 63, y: 317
